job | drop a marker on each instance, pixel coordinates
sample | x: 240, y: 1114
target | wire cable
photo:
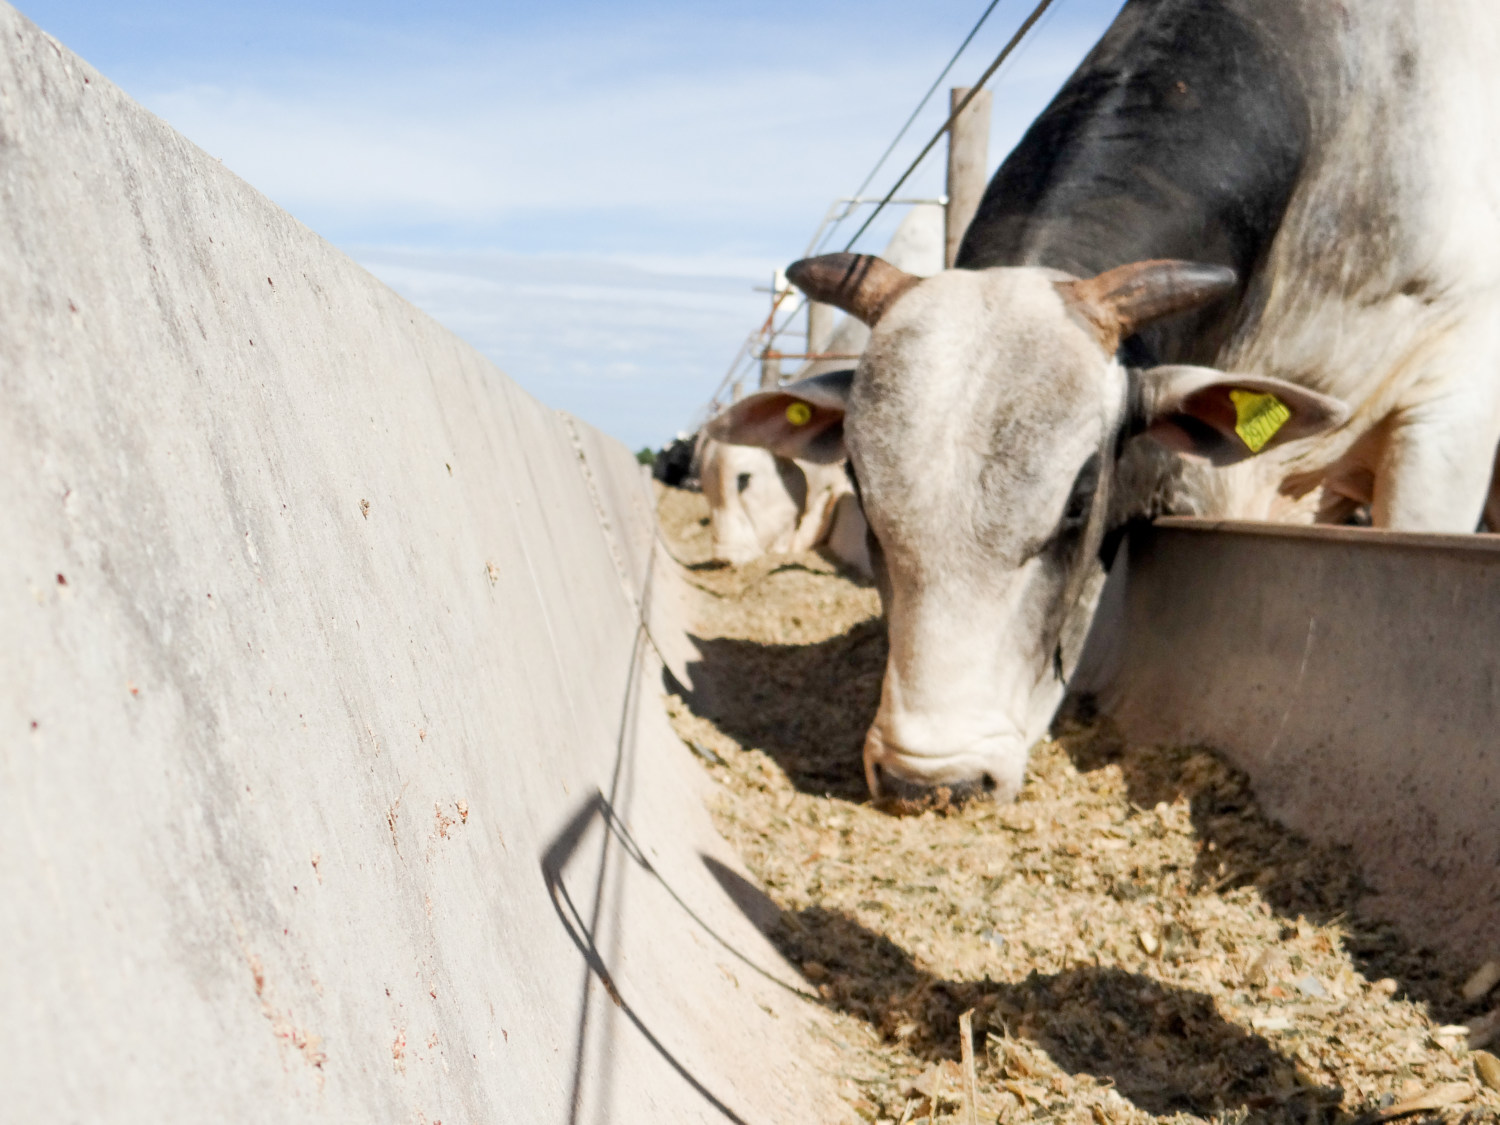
x: 921, y: 105
x: 746, y: 352
x: 1005, y: 53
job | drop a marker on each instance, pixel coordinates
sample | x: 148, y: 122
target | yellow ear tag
x: 1258, y: 417
x: 799, y: 414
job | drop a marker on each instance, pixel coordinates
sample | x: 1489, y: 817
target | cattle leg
x: 1437, y: 468
x: 1492, y: 504
x: 816, y: 520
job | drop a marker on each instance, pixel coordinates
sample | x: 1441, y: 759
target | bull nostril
x: 902, y: 795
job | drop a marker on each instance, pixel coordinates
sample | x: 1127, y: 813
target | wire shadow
x: 554, y: 864
x: 583, y: 927
x: 554, y: 861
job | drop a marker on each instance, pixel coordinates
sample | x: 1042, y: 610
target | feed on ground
x: 1136, y: 940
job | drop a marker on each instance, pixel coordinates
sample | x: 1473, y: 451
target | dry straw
x: 1131, y: 941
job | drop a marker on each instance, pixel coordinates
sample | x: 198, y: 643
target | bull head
x: 989, y: 426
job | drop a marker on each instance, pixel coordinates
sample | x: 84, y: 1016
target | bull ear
x: 802, y: 420
x: 863, y: 285
x: 1120, y: 302
x: 1227, y: 418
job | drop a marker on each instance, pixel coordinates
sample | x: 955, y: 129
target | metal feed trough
x: 1354, y: 674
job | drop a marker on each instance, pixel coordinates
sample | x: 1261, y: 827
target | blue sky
x: 588, y: 192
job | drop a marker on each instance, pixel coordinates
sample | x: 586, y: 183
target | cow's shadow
x: 807, y: 706
x: 1165, y: 1049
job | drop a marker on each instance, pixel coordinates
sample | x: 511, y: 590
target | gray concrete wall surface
x: 1353, y: 674
x: 334, y: 779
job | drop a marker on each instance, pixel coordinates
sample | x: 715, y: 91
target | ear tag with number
x: 1258, y: 417
x: 799, y: 414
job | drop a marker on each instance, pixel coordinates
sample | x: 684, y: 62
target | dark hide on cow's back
x: 1181, y: 135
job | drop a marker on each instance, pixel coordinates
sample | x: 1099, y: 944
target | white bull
x: 1333, y: 170
x: 762, y: 504
x: 759, y: 504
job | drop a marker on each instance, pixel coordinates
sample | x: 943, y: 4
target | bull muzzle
x: 991, y: 767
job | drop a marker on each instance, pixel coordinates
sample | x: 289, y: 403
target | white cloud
x: 493, y: 131
x: 663, y: 173
x: 634, y: 351
x: 475, y: 159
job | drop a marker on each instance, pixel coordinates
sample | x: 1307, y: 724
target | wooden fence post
x: 968, y: 156
x: 770, y: 371
x: 819, y: 327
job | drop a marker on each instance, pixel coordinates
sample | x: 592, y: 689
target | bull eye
x: 742, y: 481
x: 1081, y: 498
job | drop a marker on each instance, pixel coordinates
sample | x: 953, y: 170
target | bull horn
x: 1122, y: 301
x: 863, y: 285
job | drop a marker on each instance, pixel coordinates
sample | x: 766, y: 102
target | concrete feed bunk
x: 334, y: 782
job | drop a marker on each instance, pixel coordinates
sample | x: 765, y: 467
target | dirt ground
x: 1136, y: 940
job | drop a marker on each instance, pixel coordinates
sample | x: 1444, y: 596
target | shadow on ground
x: 1241, y: 846
x: 1165, y: 1049
x: 807, y: 706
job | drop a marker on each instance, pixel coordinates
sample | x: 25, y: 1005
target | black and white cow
x: 1303, y: 195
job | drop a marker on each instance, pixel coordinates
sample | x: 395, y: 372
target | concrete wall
x: 1353, y: 674
x: 334, y: 784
